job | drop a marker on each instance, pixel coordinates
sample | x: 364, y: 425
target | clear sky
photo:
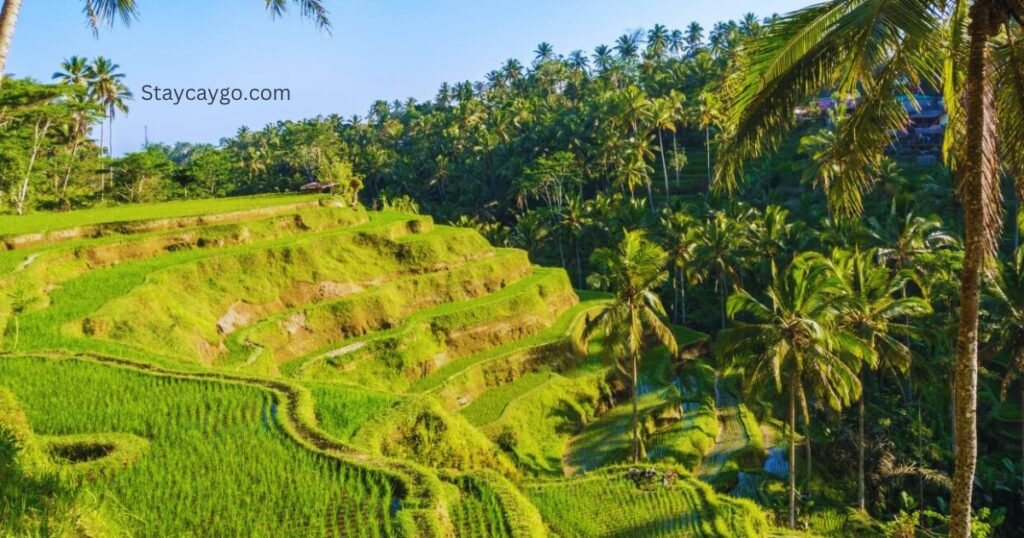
x: 380, y: 49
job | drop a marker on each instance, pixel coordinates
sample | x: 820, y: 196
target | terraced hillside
x: 288, y: 366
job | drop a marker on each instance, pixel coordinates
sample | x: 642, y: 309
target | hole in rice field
x: 81, y: 452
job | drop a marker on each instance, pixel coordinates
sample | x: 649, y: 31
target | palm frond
x: 1009, y: 61
x: 106, y: 12
x: 314, y: 10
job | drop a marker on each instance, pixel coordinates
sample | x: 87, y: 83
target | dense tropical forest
x: 788, y: 262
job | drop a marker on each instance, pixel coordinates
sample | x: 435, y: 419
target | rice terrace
x: 748, y: 269
x: 352, y: 376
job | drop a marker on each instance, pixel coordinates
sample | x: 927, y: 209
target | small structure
x: 316, y: 186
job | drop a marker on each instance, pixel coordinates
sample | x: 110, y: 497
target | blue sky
x: 380, y: 49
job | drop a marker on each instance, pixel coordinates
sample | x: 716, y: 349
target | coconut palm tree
x: 680, y: 235
x: 675, y: 101
x: 694, y: 38
x: 720, y: 253
x: 578, y: 60
x: 793, y: 343
x: 574, y: 220
x: 677, y: 42
x: 107, y: 89
x: 543, y: 53
x: 633, y: 272
x: 705, y: 113
x: 662, y: 118
x: 658, y: 42
x: 106, y: 12
x: 876, y: 310
x: 880, y: 50
x: 74, y: 71
x: 603, y: 58
x: 628, y: 46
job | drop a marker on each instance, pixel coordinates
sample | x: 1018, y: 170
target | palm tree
x: 793, y: 341
x: 658, y: 42
x: 106, y: 12
x: 574, y: 220
x: 633, y: 109
x: 107, y: 89
x: 633, y: 271
x: 749, y: 25
x: 603, y: 58
x: 544, y: 52
x: 677, y: 42
x: 970, y: 49
x: 628, y: 46
x: 771, y: 237
x: 918, y: 235
x: 578, y: 60
x: 877, y: 311
x: 705, y: 114
x: 675, y: 101
x: 74, y: 71
x: 681, y: 235
x: 663, y: 117
x: 694, y: 38
x: 720, y: 253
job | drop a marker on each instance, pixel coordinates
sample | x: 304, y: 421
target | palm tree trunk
x: 792, y: 451
x: 664, y: 168
x: 707, y: 148
x: 979, y: 120
x: 675, y: 157
x: 110, y: 141
x: 8, y: 21
x: 103, y: 177
x: 860, y: 450
x: 636, y: 413
x: 807, y: 441
x: 682, y: 294
x: 650, y: 193
x: 67, y: 172
x: 1022, y: 438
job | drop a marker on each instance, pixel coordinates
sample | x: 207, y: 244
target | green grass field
x: 47, y: 222
x: 282, y: 366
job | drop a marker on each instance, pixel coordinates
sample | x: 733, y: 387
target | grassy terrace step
x: 79, y: 297
x: 270, y: 278
x: 448, y: 377
x: 105, y: 250
x: 38, y: 228
x: 32, y: 272
x: 390, y: 359
x: 509, y: 267
x: 535, y: 426
x: 362, y: 318
x: 607, y: 503
x: 483, y: 384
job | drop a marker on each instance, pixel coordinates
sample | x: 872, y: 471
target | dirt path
x: 731, y: 437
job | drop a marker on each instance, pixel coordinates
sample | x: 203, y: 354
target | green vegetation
x: 142, y: 214
x: 196, y: 431
x: 608, y: 503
